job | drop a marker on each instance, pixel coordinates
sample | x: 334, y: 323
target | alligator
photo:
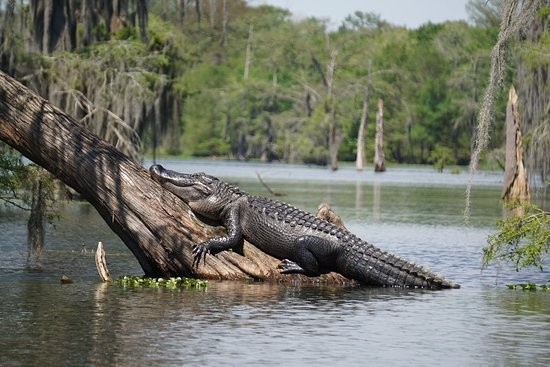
x: 304, y: 243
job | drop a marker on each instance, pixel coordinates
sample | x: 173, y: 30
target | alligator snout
x: 156, y: 171
x: 166, y: 176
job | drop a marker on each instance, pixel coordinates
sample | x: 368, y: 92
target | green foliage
x: 18, y: 180
x: 523, y: 238
x: 441, y: 157
x: 126, y: 33
x: 361, y: 20
x: 12, y: 173
x: 133, y: 281
x: 530, y: 286
x: 30, y: 188
x: 191, y: 68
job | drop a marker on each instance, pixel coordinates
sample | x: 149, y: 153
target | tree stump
x: 379, y: 158
x: 516, y: 184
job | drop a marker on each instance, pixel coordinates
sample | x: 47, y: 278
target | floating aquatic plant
x: 530, y: 286
x: 135, y: 281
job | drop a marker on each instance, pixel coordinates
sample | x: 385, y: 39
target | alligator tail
x: 372, y: 266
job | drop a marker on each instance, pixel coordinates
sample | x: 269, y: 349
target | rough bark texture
x: 516, y: 185
x: 101, y: 263
x: 363, y: 124
x: 361, y: 133
x: 334, y: 137
x: 154, y: 224
x: 379, y: 159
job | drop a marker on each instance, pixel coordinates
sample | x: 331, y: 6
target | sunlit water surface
x: 414, y: 212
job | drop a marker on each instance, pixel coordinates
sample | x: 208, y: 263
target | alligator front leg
x: 217, y: 244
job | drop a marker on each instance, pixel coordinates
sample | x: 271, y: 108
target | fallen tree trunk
x: 154, y: 224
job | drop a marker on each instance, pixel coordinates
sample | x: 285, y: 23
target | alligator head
x: 199, y: 190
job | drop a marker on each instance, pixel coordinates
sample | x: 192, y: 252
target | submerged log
x: 153, y: 223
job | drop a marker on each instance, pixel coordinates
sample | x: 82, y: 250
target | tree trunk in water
x: 516, y: 185
x: 363, y: 125
x: 361, y: 133
x: 379, y: 165
x: 154, y: 224
x: 333, y: 140
x: 333, y: 133
x: 36, y: 225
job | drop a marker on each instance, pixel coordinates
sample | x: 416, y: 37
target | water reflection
x: 376, y: 202
x: 520, y: 326
x: 232, y: 323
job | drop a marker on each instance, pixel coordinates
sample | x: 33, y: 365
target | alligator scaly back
x: 360, y: 260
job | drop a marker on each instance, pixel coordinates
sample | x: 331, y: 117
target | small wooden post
x: 325, y: 212
x: 516, y: 184
x: 101, y: 264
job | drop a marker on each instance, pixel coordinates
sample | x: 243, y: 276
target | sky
x: 409, y: 13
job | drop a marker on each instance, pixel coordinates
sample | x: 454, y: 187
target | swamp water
x: 413, y: 212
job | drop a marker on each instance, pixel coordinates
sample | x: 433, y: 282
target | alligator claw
x: 199, y: 253
x: 290, y: 267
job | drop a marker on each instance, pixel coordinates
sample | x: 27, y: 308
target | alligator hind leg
x: 310, y: 253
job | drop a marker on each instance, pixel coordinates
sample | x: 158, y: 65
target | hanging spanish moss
x: 516, y: 15
x: 111, y: 91
x: 533, y: 83
x: 92, y: 59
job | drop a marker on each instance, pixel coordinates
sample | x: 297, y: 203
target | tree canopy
x: 228, y: 79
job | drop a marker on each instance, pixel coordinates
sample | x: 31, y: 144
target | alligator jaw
x: 163, y: 176
x: 195, y: 187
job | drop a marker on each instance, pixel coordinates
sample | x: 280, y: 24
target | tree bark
x: 361, y: 133
x: 516, y: 185
x: 248, y: 54
x: 334, y: 138
x: 379, y: 164
x: 359, y: 159
x: 154, y: 224
x: 198, y: 11
x: 142, y: 19
x: 225, y: 20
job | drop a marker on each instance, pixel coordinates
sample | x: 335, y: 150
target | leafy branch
x: 522, y: 239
